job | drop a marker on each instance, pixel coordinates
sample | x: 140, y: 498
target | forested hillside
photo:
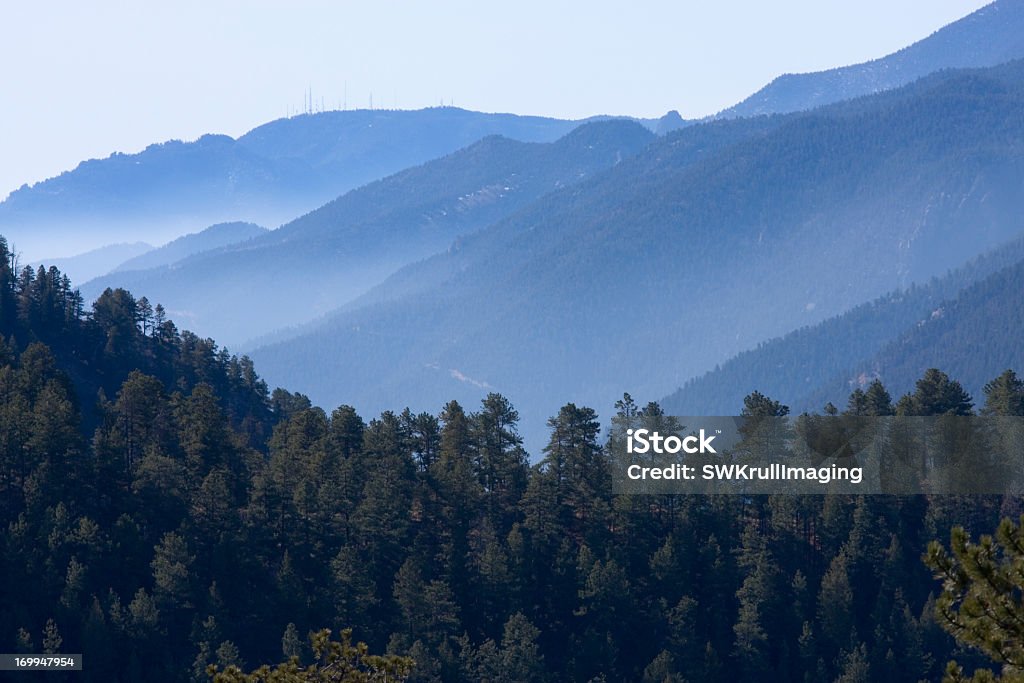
x: 971, y: 333
x: 162, y: 511
x: 91, y: 351
x: 664, y: 265
x: 182, y: 515
x: 820, y: 363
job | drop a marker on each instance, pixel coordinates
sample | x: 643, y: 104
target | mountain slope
x: 992, y: 35
x: 213, y: 237
x: 332, y: 254
x: 685, y: 150
x: 973, y: 336
x: 815, y: 364
x: 271, y: 174
x: 655, y: 270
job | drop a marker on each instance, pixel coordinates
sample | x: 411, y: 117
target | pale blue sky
x: 82, y: 80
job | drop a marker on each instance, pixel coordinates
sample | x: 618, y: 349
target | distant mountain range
x: 691, y: 251
x: 213, y: 237
x: 463, y: 252
x: 96, y: 263
x: 290, y: 166
x: 990, y: 36
x: 269, y: 175
x: 331, y: 255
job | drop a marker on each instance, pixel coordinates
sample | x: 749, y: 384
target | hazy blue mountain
x: 992, y: 35
x: 269, y: 175
x: 670, y: 122
x: 96, y: 262
x: 331, y: 255
x: 818, y: 363
x: 214, y: 237
x: 662, y: 266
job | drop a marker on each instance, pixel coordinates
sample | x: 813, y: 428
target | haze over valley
x: 443, y: 253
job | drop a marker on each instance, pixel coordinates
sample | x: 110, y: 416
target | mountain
x: 824, y: 362
x: 96, y: 262
x: 973, y: 336
x: 269, y: 175
x: 213, y: 237
x: 328, y: 256
x: 662, y: 266
x: 671, y: 121
x: 992, y: 35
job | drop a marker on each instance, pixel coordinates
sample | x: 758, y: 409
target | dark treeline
x: 162, y: 511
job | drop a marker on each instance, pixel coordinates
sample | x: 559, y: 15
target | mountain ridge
x: 213, y: 237
x: 992, y: 35
x: 359, y: 238
x: 650, y: 240
x: 267, y: 176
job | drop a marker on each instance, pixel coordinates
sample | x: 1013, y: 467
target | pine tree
x: 145, y: 313
x: 855, y: 667
x: 52, y: 639
x: 354, y: 593
x: 171, y: 571
x: 340, y: 661
x: 458, y: 492
x: 520, y: 656
x: 291, y: 644
x: 1004, y: 395
x: 758, y: 597
x: 835, y: 607
x: 936, y: 394
x: 757, y: 404
x: 74, y: 583
x: 500, y: 458
x: 980, y: 601
x: 876, y: 401
x: 574, y: 465
x: 8, y: 303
